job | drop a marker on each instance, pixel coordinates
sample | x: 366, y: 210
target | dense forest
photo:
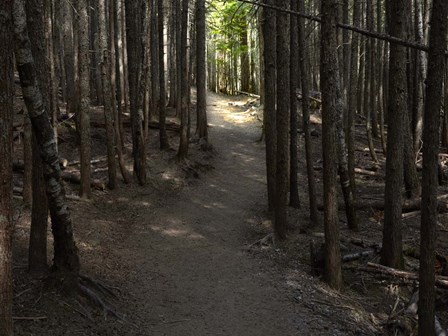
x: 144, y: 142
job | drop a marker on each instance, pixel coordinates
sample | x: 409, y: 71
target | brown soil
x: 177, y: 252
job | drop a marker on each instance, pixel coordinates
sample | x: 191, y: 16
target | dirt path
x: 189, y: 274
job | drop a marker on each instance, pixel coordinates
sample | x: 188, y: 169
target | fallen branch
x: 360, y: 255
x: 29, y: 318
x: 170, y: 125
x: 368, y: 172
x: 408, y: 205
x: 252, y: 95
x: 441, y: 281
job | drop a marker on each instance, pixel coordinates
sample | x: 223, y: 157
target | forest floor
x: 178, y: 253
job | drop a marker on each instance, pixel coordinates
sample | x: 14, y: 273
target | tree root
x: 265, y: 241
x: 98, y: 301
x: 97, y: 293
x: 87, y: 281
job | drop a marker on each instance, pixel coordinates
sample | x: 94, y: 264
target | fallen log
x: 368, y: 172
x: 441, y: 281
x: 170, y: 125
x: 252, y: 95
x: 72, y: 177
x: 408, y: 205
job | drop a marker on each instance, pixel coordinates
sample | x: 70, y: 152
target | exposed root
x: 87, y: 281
x: 265, y: 241
x: 98, y: 301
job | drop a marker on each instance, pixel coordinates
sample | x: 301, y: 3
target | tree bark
x: 201, y: 74
x: 135, y: 52
x: 84, y: 94
x: 6, y: 209
x: 392, y: 254
x: 270, y: 59
x: 184, y: 83
x: 107, y: 94
x: 329, y: 86
x: 283, y: 119
x: 164, y: 144
x: 66, y: 261
x: 37, y: 256
x: 303, y: 61
x: 433, y: 103
x: 294, y: 200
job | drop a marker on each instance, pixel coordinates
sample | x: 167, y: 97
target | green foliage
x: 227, y: 22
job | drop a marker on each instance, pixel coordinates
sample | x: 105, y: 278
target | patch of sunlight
x: 238, y: 119
x: 143, y: 203
x: 315, y: 119
x: 177, y: 233
x: 85, y: 246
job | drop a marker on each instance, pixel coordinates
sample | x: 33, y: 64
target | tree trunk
x: 184, y: 83
x: 28, y: 161
x: 329, y: 86
x: 107, y: 94
x: 37, y: 252
x: 201, y: 74
x: 69, y: 56
x: 6, y: 209
x: 164, y: 144
x: 283, y: 117
x: 303, y: 62
x: 134, y: 49
x: 268, y: 29
x: 434, y: 82
x: 352, y: 95
x: 294, y: 85
x: 84, y: 106
x: 66, y: 261
x: 392, y: 254
x: 39, y: 218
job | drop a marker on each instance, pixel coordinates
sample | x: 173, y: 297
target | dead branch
x: 252, y: 95
x: 368, y: 172
x: 360, y: 255
x: 408, y: 205
x: 441, y: 281
x: 170, y: 125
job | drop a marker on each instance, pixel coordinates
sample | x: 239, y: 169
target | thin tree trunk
x: 84, y: 106
x: 283, y: 119
x: 164, y: 144
x: 303, y: 62
x: 116, y: 86
x: 434, y: 82
x: 392, y: 251
x: 201, y: 74
x: 134, y: 49
x: 69, y: 56
x: 294, y: 85
x: 6, y: 208
x: 28, y: 161
x: 329, y: 86
x: 352, y: 96
x: 184, y: 83
x: 268, y: 30
x: 107, y: 94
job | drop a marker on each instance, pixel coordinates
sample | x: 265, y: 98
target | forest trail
x: 189, y: 274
